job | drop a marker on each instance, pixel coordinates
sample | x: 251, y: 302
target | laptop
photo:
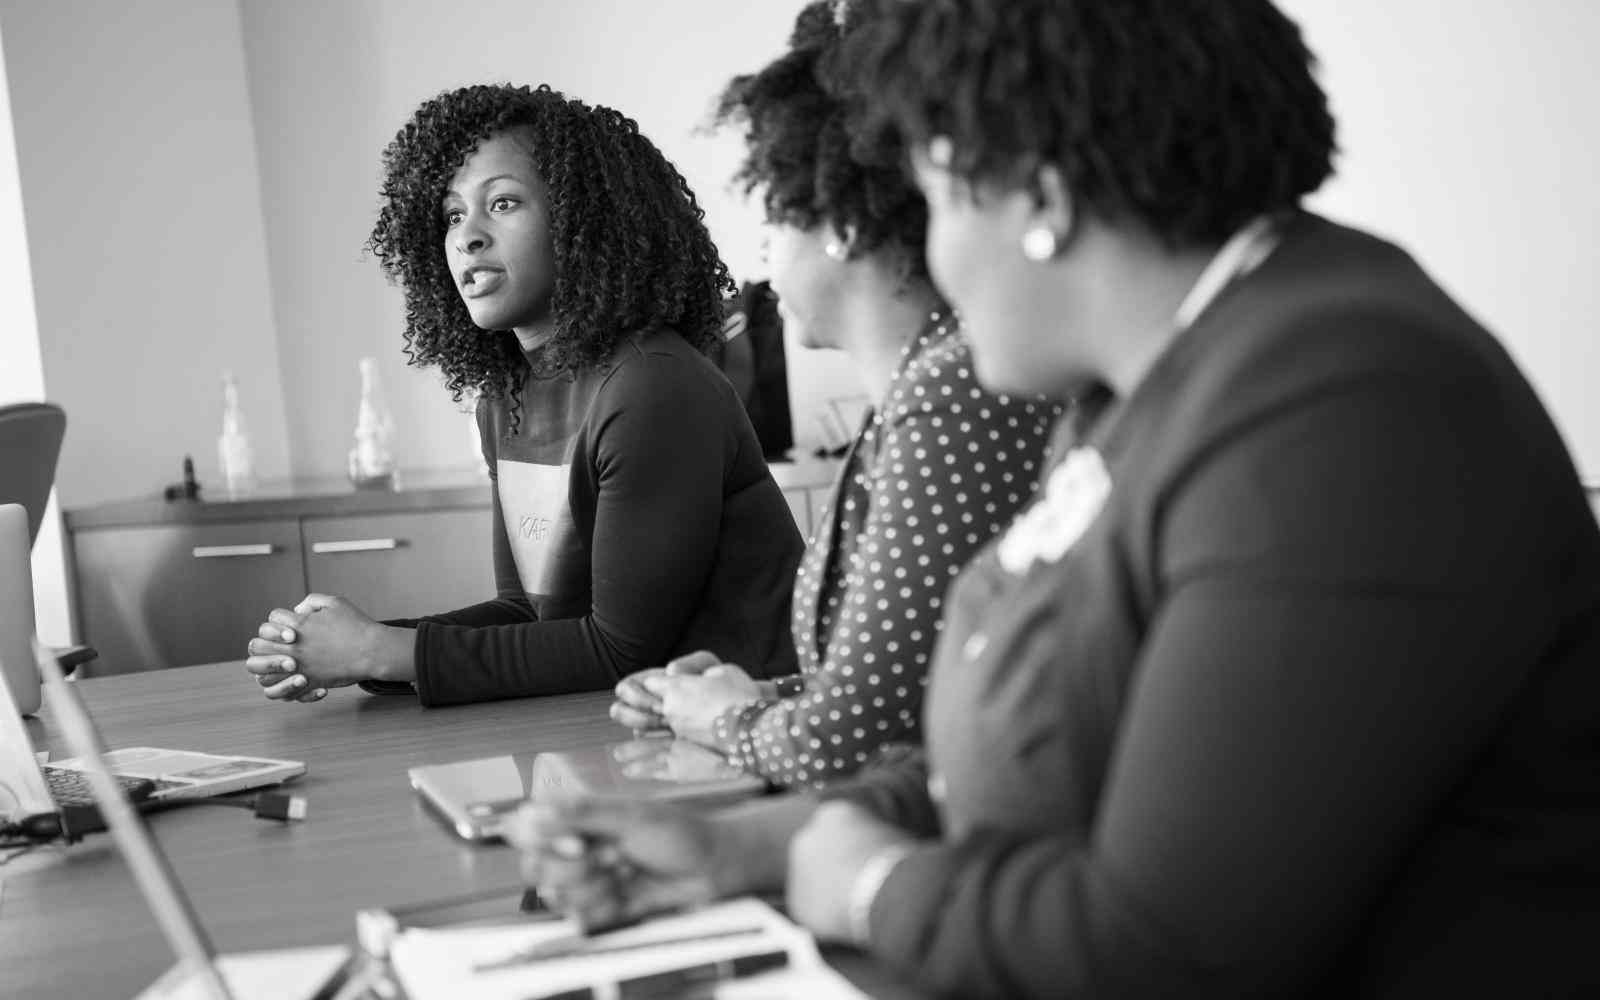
x: 25, y: 783
x: 289, y: 974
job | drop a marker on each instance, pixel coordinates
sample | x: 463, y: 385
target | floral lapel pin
x: 1073, y: 496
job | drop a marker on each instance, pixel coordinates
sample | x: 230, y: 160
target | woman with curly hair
x: 939, y: 465
x: 553, y: 259
x: 1286, y: 685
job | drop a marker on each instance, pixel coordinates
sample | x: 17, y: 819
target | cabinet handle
x: 355, y: 545
x: 231, y: 551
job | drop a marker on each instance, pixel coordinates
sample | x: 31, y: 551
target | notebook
x: 289, y: 974
x: 475, y: 797
x: 25, y: 784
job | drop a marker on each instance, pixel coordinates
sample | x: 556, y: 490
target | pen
x: 693, y: 982
x: 531, y: 902
x: 565, y: 947
x: 698, y: 980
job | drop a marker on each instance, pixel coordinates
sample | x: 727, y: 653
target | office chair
x: 30, y: 445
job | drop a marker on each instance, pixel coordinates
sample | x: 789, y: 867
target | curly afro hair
x: 811, y: 150
x: 1187, y: 116
x: 631, y: 247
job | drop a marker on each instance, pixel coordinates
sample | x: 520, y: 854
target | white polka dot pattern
x: 933, y: 475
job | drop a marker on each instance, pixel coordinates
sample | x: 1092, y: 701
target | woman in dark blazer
x: 1287, y: 684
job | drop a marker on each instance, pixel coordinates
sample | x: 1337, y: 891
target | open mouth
x: 476, y: 281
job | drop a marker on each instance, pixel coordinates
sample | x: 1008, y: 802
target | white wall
x: 143, y: 204
x: 331, y: 83
x: 198, y: 189
x: 22, y: 369
x: 1471, y: 136
x: 1468, y: 136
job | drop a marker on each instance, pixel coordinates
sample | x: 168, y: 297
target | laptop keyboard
x: 71, y: 788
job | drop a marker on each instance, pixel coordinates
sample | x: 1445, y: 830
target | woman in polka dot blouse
x: 938, y: 467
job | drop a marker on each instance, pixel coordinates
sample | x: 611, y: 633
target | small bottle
x: 372, y: 460
x: 233, y: 446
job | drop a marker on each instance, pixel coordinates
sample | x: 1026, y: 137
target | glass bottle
x: 233, y: 445
x: 372, y: 459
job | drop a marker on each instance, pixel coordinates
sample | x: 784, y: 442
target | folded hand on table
x: 606, y: 862
x: 686, y: 696
x: 323, y: 642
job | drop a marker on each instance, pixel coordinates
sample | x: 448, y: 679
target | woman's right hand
x: 638, y: 704
x: 605, y: 863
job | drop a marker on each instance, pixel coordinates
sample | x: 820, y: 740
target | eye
x: 503, y: 203
x: 452, y: 217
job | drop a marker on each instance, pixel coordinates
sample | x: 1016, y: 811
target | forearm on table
x: 753, y: 843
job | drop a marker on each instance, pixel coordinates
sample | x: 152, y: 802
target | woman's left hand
x: 691, y: 702
x: 335, y: 643
x: 825, y: 857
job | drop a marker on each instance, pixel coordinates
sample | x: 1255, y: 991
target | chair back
x: 30, y: 444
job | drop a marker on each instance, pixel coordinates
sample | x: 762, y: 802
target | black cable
x: 71, y: 823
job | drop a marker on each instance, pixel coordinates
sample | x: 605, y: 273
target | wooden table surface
x: 72, y: 921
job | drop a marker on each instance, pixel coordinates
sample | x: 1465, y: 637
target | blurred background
x: 186, y: 185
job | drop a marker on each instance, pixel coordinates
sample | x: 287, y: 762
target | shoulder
x: 938, y: 377
x: 659, y: 370
x: 1332, y: 311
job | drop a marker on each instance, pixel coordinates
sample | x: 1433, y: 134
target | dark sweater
x: 1312, y: 707
x: 634, y: 520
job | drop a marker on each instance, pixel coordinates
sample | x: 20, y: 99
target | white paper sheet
x: 287, y: 974
x: 439, y: 963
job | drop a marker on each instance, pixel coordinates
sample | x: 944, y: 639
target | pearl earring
x: 834, y: 249
x: 1039, y: 244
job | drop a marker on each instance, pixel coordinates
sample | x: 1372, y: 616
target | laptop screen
x: 16, y: 609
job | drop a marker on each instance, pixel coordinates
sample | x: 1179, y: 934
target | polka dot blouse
x: 934, y: 473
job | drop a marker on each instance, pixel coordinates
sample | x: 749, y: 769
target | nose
x: 471, y: 237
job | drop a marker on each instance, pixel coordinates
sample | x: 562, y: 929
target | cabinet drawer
x: 174, y: 595
x: 402, y: 565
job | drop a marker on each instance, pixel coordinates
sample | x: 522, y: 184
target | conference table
x: 72, y: 920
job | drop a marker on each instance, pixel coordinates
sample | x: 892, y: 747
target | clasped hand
x: 323, y: 642
x: 606, y: 862
x: 686, y: 696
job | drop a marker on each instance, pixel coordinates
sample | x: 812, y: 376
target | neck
x: 533, y: 336
x: 1127, y: 304
x: 875, y: 327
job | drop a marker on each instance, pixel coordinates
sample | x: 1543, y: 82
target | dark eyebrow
x: 487, y: 181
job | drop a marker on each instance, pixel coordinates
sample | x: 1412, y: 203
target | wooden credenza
x: 159, y: 584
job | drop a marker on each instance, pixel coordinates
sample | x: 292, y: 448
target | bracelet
x: 790, y: 686
x: 864, y: 890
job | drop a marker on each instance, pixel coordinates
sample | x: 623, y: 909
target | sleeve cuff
x: 732, y: 732
x: 864, y: 889
x: 907, y: 899
x: 387, y: 687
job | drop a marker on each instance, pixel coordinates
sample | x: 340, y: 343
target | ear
x: 841, y: 243
x: 1054, y: 208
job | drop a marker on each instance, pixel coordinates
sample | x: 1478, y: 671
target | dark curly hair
x: 1188, y: 116
x: 631, y: 247
x: 811, y: 150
